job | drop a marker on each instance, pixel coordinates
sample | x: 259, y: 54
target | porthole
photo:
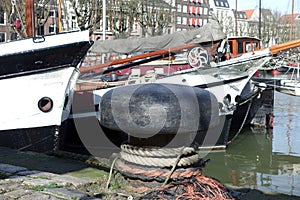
x: 45, y: 104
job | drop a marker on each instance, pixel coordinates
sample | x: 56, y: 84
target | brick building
x: 190, y: 14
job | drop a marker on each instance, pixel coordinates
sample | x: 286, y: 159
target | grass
x: 42, y: 187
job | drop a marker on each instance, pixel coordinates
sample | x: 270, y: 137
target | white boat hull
x: 290, y: 87
x: 20, y: 109
x: 37, y: 81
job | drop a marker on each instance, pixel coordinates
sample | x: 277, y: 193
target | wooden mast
x: 30, y: 22
x: 59, y: 16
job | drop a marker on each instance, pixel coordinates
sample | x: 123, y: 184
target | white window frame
x: 52, y: 15
x: 54, y: 28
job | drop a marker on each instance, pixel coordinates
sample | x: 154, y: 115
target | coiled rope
x: 155, y: 174
x: 184, y: 182
x: 159, y: 164
x: 159, y: 157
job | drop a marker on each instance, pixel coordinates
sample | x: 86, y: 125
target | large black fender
x: 146, y: 110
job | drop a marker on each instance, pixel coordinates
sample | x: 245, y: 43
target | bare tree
x: 121, y: 16
x: 154, y: 16
x: 85, y: 11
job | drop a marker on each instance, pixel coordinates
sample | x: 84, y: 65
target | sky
x: 283, y: 6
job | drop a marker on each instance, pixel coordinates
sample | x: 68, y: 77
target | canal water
x: 266, y: 160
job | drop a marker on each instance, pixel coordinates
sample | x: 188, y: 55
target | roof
x: 254, y: 13
x: 266, y: 12
x: 241, y: 15
x: 287, y: 18
x: 248, y: 13
x: 243, y: 37
x: 221, y: 3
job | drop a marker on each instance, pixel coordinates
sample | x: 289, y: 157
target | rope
x: 242, y: 125
x: 156, y: 152
x: 19, y: 15
x: 133, y: 171
x: 142, y: 165
x: 159, y: 161
x: 159, y: 157
x: 81, y: 157
x: 199, y: 187
x: 154, y: 163
x: 110, y: 172
x: 13, y: 18
x: 174, y: 166
x: 12, y: 14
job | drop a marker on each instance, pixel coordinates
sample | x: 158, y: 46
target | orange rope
x: 199, y: 187
x: 185, y: 183
x: 159, y: 174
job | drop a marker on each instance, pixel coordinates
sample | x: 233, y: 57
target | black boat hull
x: 40, y: 139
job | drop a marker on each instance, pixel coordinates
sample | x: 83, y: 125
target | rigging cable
x: 13, y: 19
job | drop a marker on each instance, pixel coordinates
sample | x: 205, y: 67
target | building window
x: 178, y: 20
x: 179, y: 7
x: 52, y: 14
x: 184, y: 9
x: 240, y: 47
x: 184, y: 20
x: 40, y: 30
x: 2, y: 21
x: 169, y: 31
x: 2, y: 37
x: 53, y: 28
x: 74, y: 23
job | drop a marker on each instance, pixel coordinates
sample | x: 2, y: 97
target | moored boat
x: 289, y: 86
x: 37, y: 79
x: 200, y: 72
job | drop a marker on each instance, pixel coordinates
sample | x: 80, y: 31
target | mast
x: 259, y: 20
x: 292, y: 22
x: 104, y: 19
x: 30, y: 22
x: 236, y: 15
x: 103, y: 25
x: 59, y: 16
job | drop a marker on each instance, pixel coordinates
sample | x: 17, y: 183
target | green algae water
x: 266, y: 160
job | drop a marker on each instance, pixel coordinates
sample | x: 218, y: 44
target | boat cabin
x: 240, y: 45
